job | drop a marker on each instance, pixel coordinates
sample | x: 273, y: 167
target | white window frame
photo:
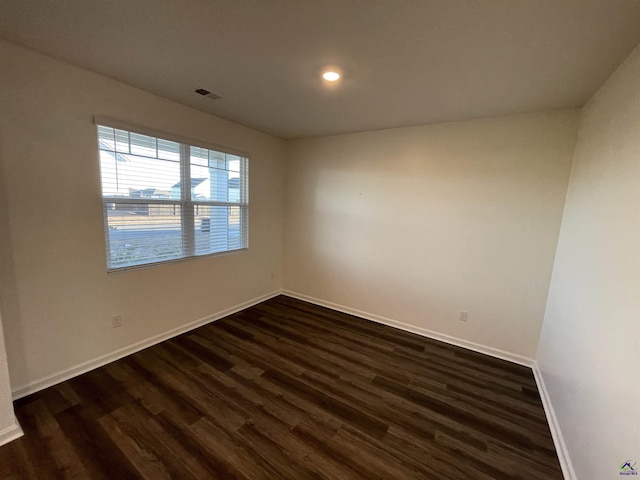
x: 186, y: 203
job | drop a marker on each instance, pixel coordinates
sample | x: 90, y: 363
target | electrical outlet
x: 116, y: 321
x: 463, y: 316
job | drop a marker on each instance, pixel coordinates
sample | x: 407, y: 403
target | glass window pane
x: 198, y: 156
x: 143, y: 145
x: 134, y: 176
x: 233, y: 162
x: 217, y: 160
x: 142, y: 233
x: 122, y: 141
x: 217, y: 229
x: 168, y: 150
x: 213, y: 181
x: 106, y: 138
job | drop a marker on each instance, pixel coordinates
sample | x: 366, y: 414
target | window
x: 165, y: 200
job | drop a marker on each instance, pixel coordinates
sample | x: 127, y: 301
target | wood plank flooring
x: 288, y: 390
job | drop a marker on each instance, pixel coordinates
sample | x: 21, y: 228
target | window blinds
x: 165, y: 200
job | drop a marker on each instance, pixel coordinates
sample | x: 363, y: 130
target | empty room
x: 319, y: 239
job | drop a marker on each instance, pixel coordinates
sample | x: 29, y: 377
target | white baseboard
x: 10, y: 433
x: 476, y: 347
x: 561, y: 447
x: 84, y: 367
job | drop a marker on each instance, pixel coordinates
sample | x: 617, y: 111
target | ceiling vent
x: 207, y: 93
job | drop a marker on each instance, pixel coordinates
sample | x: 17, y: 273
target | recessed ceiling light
x: 331, y: 76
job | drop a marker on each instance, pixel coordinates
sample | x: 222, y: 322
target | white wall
x: 9, y: 428
x: 416, y: 224
x: 59, y: 298
x: 589, y: 352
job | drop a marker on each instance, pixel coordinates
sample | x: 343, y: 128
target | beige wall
x: 416, y: 224
x: 589, y: 352
x: 59, y: 298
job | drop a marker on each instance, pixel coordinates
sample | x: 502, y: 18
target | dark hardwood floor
x: 289, y: 390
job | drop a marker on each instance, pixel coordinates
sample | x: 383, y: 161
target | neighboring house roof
x: 194, y: 183
x: 149, y: 193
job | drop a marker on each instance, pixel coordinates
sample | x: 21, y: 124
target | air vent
x: 207, y: 93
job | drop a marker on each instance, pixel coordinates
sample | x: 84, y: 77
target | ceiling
x: 405, y: 62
